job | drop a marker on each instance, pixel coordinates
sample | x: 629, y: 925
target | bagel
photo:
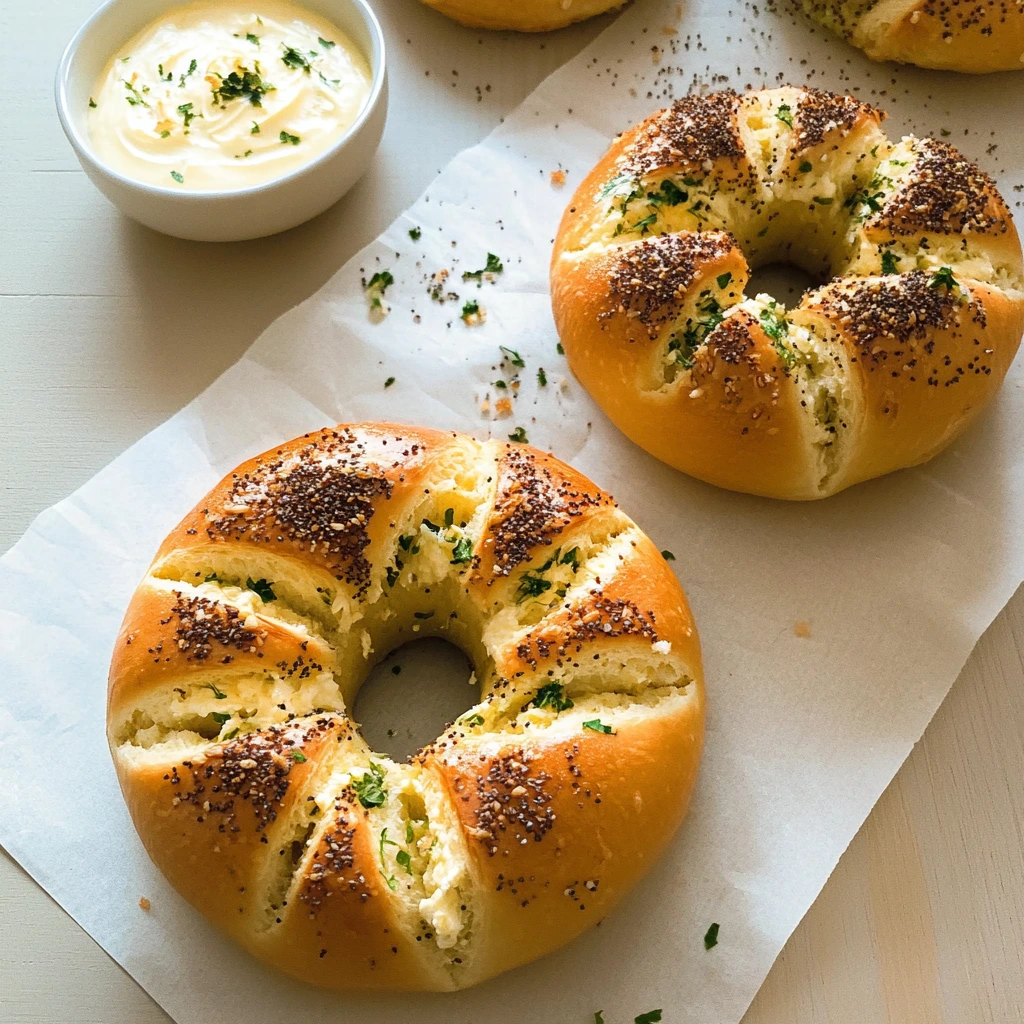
x: 243, y: 649
x: 877, y: 370
x: 522, y: 15
x: 974, y: 36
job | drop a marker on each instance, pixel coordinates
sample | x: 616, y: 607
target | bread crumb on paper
x: 144, y: 904
x: 801, y: 628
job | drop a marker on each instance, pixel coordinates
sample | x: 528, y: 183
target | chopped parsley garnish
x: 551, y: 695
x: 415, y: 234
x: 823, y: 200
x: 92, y: 102
x: 651, y: 1017
x: 213, y: 578
x: 668, y: 194
x: 559, y: 349
x: 805, y: 167
x: 179, y: 178
x: 255, y: 129
x: 542, y: 377
x: 327, y: 44
x: 286, y: 138
x: 405, y: 542
x: 186, y: 112
x: 470, y: 309
x: 618, y: 184
x: 943, y: 278
x: 872, y: 200
x: 262, y: 588
x: 221, y: 718
x: 382, y: 280
x: 134, y: 97
x: 785, y: 114
x: 668, y: 556
x: 493, y: 266
x: 232, y: 734
x: 432, y: 527
x: 531, y: 585
x: 254, y: 39
x: 298, y: 757
x: 218, y: 694
x: 404, y: 860
x: 393, y: 572
x: 711, y: 938
x: 518, y: 435
x: 389, y: 382
x: 462, y: 552
x: 890, y: 265
x: 296, y: 60
x: 512, y: 356
x: 193, y: 64
x: 775, y: 325
x: 474, y: 720
x: 643, y: 225
x: 597, y: 725
x: 369, y: 787
x: 501, y: 385
x: 390, y: 879
x: 723, y: 280
x: 164, y: 134
x: 449, y: 517
x: 696, y: 332
x: 235, y: 85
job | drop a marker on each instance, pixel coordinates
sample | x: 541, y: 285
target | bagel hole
x: 784, y: 282
x: 400, y: 711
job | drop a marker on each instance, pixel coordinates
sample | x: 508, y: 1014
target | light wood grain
x: 106, y: 329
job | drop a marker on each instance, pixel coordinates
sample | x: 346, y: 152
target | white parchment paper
x: 897, y: 578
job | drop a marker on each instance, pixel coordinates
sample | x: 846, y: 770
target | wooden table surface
x: 106, y: 329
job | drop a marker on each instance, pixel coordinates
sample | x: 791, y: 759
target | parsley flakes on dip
x: 221, y: 96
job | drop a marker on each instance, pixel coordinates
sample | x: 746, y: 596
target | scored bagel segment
x: 244, y: 648
x: 650, y: 267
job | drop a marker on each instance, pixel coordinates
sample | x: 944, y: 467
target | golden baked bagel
x: 522, y: 15
x: 974, y: 36
x: 874, y: 371
x: 243, y: 649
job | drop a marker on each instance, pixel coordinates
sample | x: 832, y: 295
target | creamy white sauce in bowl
x: 221, y: 95
x: 225, y: 122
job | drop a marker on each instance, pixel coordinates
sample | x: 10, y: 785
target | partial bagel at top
x: 877, y: 370
x: 972, y: 36
x: 522, y: 15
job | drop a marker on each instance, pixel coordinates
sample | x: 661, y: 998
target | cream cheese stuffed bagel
x: 242, y: 652
x: 879, y: 369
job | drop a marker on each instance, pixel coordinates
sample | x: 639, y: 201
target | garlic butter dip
x: 220, y: 96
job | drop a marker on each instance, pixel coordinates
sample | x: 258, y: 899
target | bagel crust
x: 522, y: 15
x: 877, y: 370
x: 523, y: 824
x: 972, y: 36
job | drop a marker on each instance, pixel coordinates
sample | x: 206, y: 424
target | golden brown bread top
x: 978, y: 36
x: 244, y: 647
x: 653, y: 257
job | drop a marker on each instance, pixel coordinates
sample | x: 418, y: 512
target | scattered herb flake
x: 389, y: 382
x: 298, y: 757
x: 369, y: 787
x: 651, y: 1017
x: 493, y: 266
x: 286, y: 138
x: 785, y: 114
x: 296, y: 60
x: 415, y: 234
x: 389, y: 879
x: 512, y: 356
x: 551, y: 695
x: 193, y: 64
x: 255, y: 129
x: 723, y: 280
x: 597, y: 725
x: 462, y: 552
x: 823, y: 200
x: 943, y: 278
x: 179, y: 178
x: 327, y: 44
x: 254, y: 39
x: 805, y: 167
x: 262, y: 588
x: 890, y: 265
x: 92, y: 102
x: 542, y: 377
x: 518, y: 435
x: 711, y: 938
x: 668, y: 556
x: 218, y: 694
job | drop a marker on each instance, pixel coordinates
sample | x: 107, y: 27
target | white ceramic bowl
x: 241, y: 213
